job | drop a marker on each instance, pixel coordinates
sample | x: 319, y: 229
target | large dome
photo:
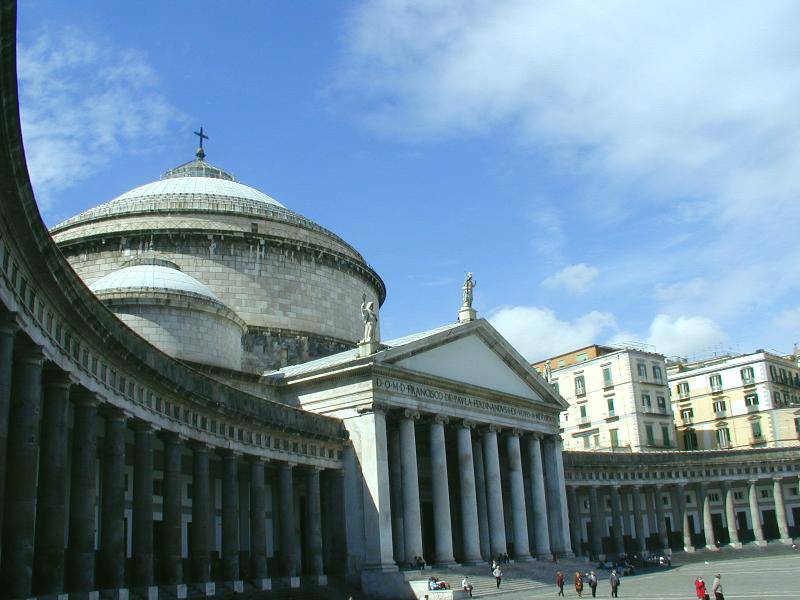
x: 295, y: 284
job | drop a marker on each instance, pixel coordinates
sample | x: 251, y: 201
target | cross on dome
x: 201, y: 154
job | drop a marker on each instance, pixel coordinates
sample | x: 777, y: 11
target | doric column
x: 142, y: 525
x: 574, y: 520
x: 51, y: 509
x: 23, y: 453
x: 616, y: 518
x: 111, y: 557
x: 200, y: 550
x: 708, y: 523
x: 780, y: 510
x: 287, y: 520
x: 8, y: 329
x: 171, y: 526
x: 82, y: 494
x: 519, y: 516
x: 638, y: 518
x: 557, y: 498
x: 494, y: 492
x: 480, y: 496
x: 470, y: 530
x: 658, y: 496
x: 730, y: 516
x: 682, y: 516
x: 396, y: 486
x: 315, y: 524
x: 230, y: 516
x: 541, y: 537
x: 258, y: 524
x: 443, y: 532
x: 596, y: 543
x: 412, y: 520
x: 755, y: 513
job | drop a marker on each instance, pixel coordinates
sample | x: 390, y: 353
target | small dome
x: 151, y: 277
x: 196, y: 187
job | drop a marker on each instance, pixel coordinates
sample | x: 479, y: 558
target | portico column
x: 596, y: 543
x: 258, y: 525
x: 230, y: 516
x: 708, y: 523
x: 286, y: 488
x: 82, y: 494
x: 755, y: 513
x: 638, y: 519
x: 780, y: 510
x: 616, y: 518
x: 574, y: 520
x: 541, y: 538
x: 470, y: 530
x: 557, y: 498
x: 142, y: 530
x: 519, y: 517
x: 23, y: 453
x: 730, y: 516
x: 683, y: 517
x: 658, y: 495
x: 494, y: 493
x: 315, y: 523
x: 51, y: 510
x: 8, y: 329
x: 443, y: 532
x: 111, y: 558
x: 412, y: 520
x: 480, y: 495
x: 199, y: 552
x: 172, y: 526
x: 396, y: 486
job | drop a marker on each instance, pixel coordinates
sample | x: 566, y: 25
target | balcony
x: 720, y: 414
x: 687, y: 419
x: 757, y: 439
x: 753, y: 408
x: 584, y: 420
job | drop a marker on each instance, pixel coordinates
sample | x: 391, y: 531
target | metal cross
x: 201, y: 135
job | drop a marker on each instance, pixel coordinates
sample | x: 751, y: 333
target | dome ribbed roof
x: 195, y: 186
x: 151, y: 277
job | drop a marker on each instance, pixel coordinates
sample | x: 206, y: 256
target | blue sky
x: 616, y: 171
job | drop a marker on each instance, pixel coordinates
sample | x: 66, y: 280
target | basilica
x: 195, y: 400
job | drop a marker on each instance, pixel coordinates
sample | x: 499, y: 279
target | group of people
x: 435, y: 583
x: 716, y: 588
x: 587, y: 579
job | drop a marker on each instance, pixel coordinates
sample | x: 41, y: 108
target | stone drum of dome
x: 296, y: 285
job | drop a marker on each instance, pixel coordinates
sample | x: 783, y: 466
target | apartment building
x: 736, y: 401
x: 618, y: 399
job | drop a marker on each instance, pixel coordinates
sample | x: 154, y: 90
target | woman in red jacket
x: 700, y: 588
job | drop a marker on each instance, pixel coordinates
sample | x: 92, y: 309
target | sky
x: 612, y: 172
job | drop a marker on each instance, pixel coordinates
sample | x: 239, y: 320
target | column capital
x: 200, y: 446
x: 113, y: 413
x: 254, y: 458
x: 83, y: 397
x: 411, y: 414
x: 753, y: 481
x: 286, y: 465
x: 54, y: 376
x: 438, y: 418
x: 778, y: 478
x: 493, y: 427
x: 514, y: 432
x: 467, y: 424
x: 9, y: 322
x: 29, y: 352
x: 373, y: 407
x: 535, y: 435
x: 229, y: 453
x: 140, y: 426
x: 172, y: 437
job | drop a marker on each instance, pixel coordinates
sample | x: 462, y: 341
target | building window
x: 756, y: 428
x: 715, y: 381
x: 585, y: 442
x: 580, y: 386
x: 657, y: 374
x: 690, y: 440
x: 662, y: 403
x: 610, y: 403
x: 714, y: 497
x: 776, y: 399
x: 764, y: 493
x: 773, y: 373
x: 582, y: 357
x: 719, y: 407
x: 748, y: 376
x: 641, y: 369
x: 665, y: 436
x: 723, y: 437
x: 738, y: 495
x: 614, y: 434
x: 253, y: 227
x: 608, y: 380
x: 683, y: 389
x: 651, y: 440
x: 582, y: 410
x: 596, y: 440
x: 751, y: 400
x: 646, y: 400
x: 687, y: 415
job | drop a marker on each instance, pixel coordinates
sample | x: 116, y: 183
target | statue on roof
x: 469, y: 285
x: 548, y: 371
x: 370, y: 317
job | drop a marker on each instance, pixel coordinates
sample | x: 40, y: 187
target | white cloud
x: 684, y: 336
x: 537, y: 333
x: 574, y: 279
x: 83, y: 102
x: 789, y: 321
x: 690, y: 289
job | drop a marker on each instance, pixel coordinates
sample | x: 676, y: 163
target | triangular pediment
x: 476, y: 355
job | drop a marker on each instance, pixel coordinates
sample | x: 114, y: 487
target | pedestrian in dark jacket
x: 592, y: 580
x: 560, y: 583
x: 614, y: 581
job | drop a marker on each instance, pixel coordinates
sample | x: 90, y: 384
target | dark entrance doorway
x: 745, y: 534
x: 770, y: 525
x: 428, y: 543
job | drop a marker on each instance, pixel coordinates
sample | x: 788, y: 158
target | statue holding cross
x: 201, y: 154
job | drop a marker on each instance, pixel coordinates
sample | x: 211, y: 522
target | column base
x: 472, y: 562
x: 569, y: 554
x: 446, y: 564
x: 207, y: 588
x: 236, y: 586
x: 381, y: 567
x: 117, y: 594
x: 711, y: 548
x: 294, y: 582
x: 735, y: 545
x: 318, y: 580
x: 263, y: 585
x: 524, y: 558
x: 760, y: 543
x: 787, y: 541
x: 84, y: 595
x: 179, y: 590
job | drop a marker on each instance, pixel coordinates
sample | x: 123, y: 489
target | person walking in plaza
x: 579, y: 584
x: 614, y: 581
x: 498, y: 575
x: 466, y: 585
x: 560, y: 582
x: 592, y: 580
x: 700, y: 589
x: 716, y: 588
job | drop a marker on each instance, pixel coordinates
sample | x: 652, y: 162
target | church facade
x: 296, y: 447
